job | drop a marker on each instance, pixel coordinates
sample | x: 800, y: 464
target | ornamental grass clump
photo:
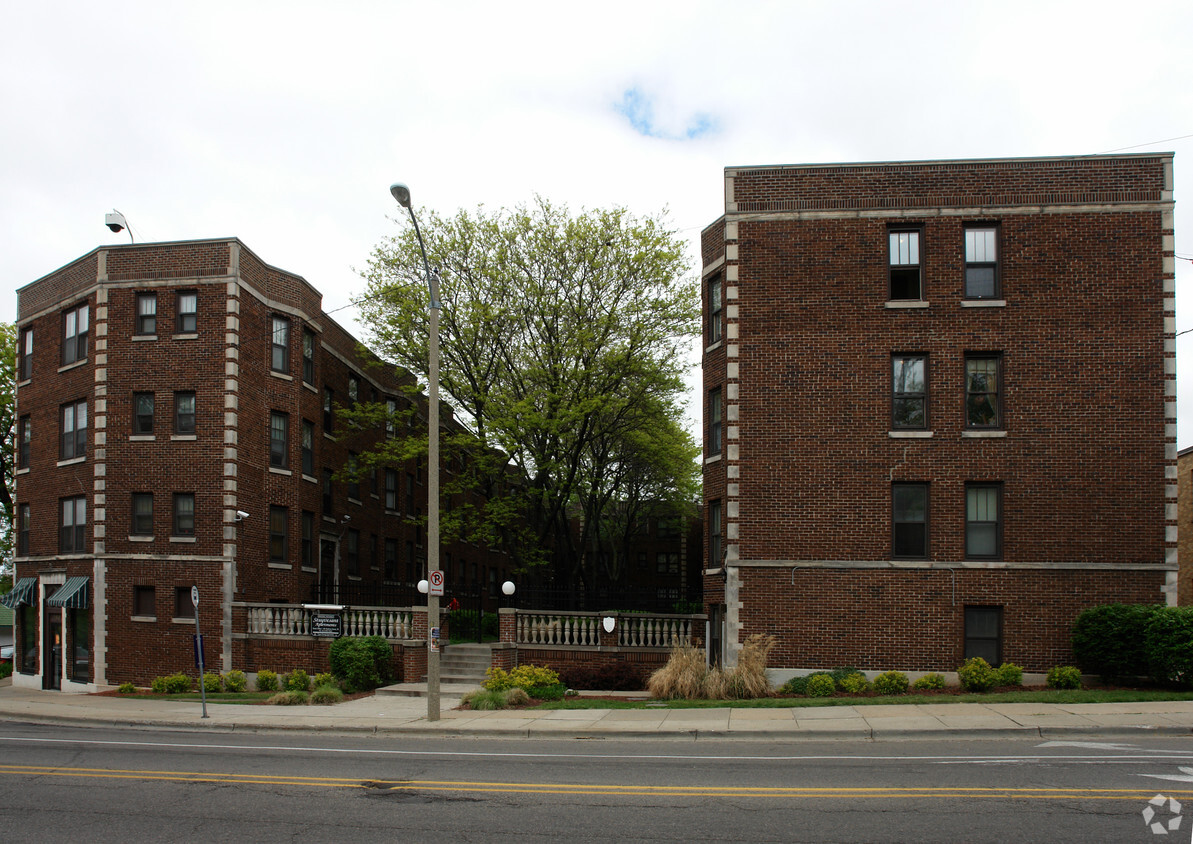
x: 747, y: 679
x: 682, y: 678
x: 326, y: 695
x: 290, y: 699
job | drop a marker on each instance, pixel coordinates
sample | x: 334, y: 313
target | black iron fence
x: 625, y: 599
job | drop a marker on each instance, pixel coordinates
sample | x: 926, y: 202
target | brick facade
x: 1075, y: 474
x: 239, y: 382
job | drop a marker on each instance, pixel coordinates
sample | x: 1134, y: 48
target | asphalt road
x: 59, y: 784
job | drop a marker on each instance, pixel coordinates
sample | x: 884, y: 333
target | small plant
x: 267, y: 681
x: 484, y: 699
x: 290, y: 698
x: 854, y: 684
x: 929, y: 682
x: 127, y: 688
x: 1064, y: 677
x: 517, y: 697
x: 212, y: 682
x: 1008, y: 674
x: 361, y: 663
x: 171, y: 684
x: 235, y: 681
x: 555, y: 691
x: 976, y: 675
x: 326, y: 695
x: 891, y: 683
x: 820, y: 685
x: 297, y: 681
x: 324, y: 679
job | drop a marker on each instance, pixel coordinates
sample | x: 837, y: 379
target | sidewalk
x: 391, y: 714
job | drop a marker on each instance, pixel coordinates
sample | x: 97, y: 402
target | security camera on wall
x: 241, y: 515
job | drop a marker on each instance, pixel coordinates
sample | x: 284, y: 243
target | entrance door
x: 51, y: 677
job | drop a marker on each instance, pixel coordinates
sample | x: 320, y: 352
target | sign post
x: 199, y: 649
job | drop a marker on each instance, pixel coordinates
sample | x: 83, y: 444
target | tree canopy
x: 8, y: 425
x: 562, y: 350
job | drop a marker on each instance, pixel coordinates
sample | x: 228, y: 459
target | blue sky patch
x: 638, y: 108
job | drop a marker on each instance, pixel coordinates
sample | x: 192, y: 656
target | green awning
x: 22, y: 593
x: 72, y: 595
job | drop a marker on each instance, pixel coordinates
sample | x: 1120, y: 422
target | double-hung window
x: 308, y: 356
x: 983, y: 521
x: 906, y: 276
x: 278, y: 533
x: 187, y: 312
x: 981, y: 262
x: 74, y: 334
x: 353, y: 390
x: 184, y: 412
x: 142, y: 413
x: 25, y: 354
x: 328, y: 493
x: 74, y: 430
x: 308, y: 539
x: 184, y: 514
x: 72, y: 528
x: 24, y: 442
x: 308, y: 448
x: 352, y: 551
x: 328, y: 402
x: 714, y: 421
x: 353, y: 478
x: 391, y: 490
x: 391, y: 559
x: 24, y: 525
x: 909, y: 391
x: 142, y: 514
x: 909, y: 520
x: 714, y: 534
x: 279, y: 440
x: 716, y: 313
x: 983, y: 377
x: 391, y: 412
x: 280, y: 344
x: 983, y: 633
x: 146, y: 313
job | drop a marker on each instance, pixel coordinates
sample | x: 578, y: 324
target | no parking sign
x: 436, y: 581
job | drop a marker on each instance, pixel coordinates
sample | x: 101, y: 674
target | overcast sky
x: 284, y: 123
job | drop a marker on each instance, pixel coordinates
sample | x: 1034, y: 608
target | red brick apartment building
x: 940, y: 406
x: 177, y: 414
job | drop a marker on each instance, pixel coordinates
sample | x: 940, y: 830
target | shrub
x: 482, y: 699
x: 929, y: 681
x: 323, y: 679
x: 854, y: 683
x: 1008, y: 674
x: 820, y: 685
x: 976, y: 675
x: 171, y: 684
x: 235, y: 681
x: 361, y: 663
x: 290, y: 699
x: 267, y: 681
x: 212, y: 683
x: 5, y: 670
x: 517, y: 697
x: 326, y: 695
x: 1168, y: 645
x: 799, y: 685
x: 127, y: 688
x: 616, y: 677
x: 553, y: 691
x: 1064, y: 677
x: 297, y: 681
x: 891, y: 683
x: 682, y: 678
x: 1109, y: 640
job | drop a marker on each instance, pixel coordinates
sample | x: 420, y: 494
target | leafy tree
x: 562, y: 347
x: 8, y: 427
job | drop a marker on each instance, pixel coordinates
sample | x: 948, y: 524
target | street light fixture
x: 402, y: 194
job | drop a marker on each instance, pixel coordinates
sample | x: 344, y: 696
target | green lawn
x: 1026, y: 696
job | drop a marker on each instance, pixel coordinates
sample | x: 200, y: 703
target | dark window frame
x: 328, y: 488
x: 328, y: 409
x: 998, y: 522
x: 142, y: 420
x: 279, y: 533
x: 25, y: 354
x: 352, y: 552
x: 308, y: 356
x: 72, y: 535
x: 24, y: 441
x: 903, y: 399
x: 279, y: 349
x: 144, y: 601
x: 982, y: 266
x: 308, y: 539
x: 986, y: 646
x: 308, y: 448
x: 901, y: 528
x: 715, y: 534
x: 716, y: 308
x: 279, y: 439
x: 185, y: 422
x: 186, y: 320
x: 904, y: 274
x: 145, y: 321
x: 183, y: 521
x: 24, y: 526
x: 141, y: 523
x: 73, y: 442
x: 715, y: 421
x: 74, y: 340
x: 391, y: 490
x: 353, y: 478
x: 184, y: 606
x: 978, y: 402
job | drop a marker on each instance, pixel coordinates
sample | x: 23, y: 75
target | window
x: 79, y: 623
x: 982, y: 381
x: 24, y: 523
x: 188, y: 312
x: 909, y: 391
x: 24, y: 442
x: 279, y: 438
x: 308, y: 539
x: 184, y: 514
x: 391, y: 559
x: 667, y: 562
x: 715, y: 310
x: 327, y: 492
x: 142, y: 413
x: 73, y: 526
x: 668, y: 528
x: 184, y: 607
x: 905, y: 279
x: 409, y: 494
x: 74, y: 431
x: 353, y: 480
x: 391, y: 425
x: 184, y: 413
x: 714, y: 421
x: 714, y: 534
x: 983, y: 633
x: 29, y: 649
x: 308, y: 356
x: 352, y: 551
x: 144, y: 601
x: 373, y: 552
x: 910, y: 520
x: 146, y: 313
x: 74, y: 335
x: 280, y: 344
x: 983, y: 521
x: 308, y: 448
x: 391, y: 489
x: 981, y: 262
x: 353, y: 390
x: 25, y: 355
x: 142, y: 514
x: 328, y: 398
x: 278, y: 533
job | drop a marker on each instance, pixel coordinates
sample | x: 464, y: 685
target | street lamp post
x: 402, y: 194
